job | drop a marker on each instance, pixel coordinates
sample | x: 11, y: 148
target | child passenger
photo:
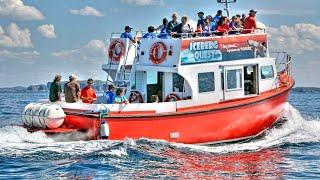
x: 120, y: 98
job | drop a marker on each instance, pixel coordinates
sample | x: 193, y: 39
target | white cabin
x: 200, y: 70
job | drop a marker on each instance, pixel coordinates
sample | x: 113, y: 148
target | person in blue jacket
x: 150, y: 34
x: 216, y: 20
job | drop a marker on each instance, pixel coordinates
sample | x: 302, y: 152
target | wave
x: 15, y: 141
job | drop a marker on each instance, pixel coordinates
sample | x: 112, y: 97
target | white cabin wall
x: 167, y: 84
x: 267, y: 84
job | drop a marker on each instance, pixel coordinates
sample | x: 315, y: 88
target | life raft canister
x: 158, y: 53
x: 172, y: 98
x: 116, y: 50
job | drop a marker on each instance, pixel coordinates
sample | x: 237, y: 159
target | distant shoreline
x: 42, y: 88
x: 99, y: 86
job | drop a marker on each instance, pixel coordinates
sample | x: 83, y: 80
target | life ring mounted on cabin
x: 158, y: 53
x: 172, y: 98
x: 116, y: 50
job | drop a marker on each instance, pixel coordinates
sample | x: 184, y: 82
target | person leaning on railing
x: 222, y: 27
x: 250, y: 23
x: 183, y: 29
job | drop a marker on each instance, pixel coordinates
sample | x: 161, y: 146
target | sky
x: 41, y: 38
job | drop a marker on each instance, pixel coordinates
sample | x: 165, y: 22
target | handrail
x: 284, y: 66
x: 194, y: 34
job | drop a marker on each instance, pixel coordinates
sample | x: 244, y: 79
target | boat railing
x: 284, y: 67
x: 173, y: 35
x: 283, y: 62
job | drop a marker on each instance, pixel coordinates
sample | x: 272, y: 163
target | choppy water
x: 290, y: 150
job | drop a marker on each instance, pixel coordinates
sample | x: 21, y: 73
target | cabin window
x: 177, y: 83
x: 267, y: 72
x: 152, y: 77
x: 206, y: 82
x: 234, y: 79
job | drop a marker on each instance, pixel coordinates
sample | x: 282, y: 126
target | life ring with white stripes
x: 116, y: 50
x: 172, y: 98
x: 156, y: 48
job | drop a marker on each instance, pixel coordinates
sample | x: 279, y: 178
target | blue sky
x: 41, y: 38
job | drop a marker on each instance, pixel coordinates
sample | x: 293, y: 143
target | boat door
x: 233, y: 82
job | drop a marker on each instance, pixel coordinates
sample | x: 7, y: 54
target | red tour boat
x: 210, y: 89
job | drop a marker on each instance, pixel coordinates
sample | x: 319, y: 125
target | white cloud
x: 93, y: 51
x: 87, y: 11
x: 15, y: 37
x: 144, y: 2
x: 296, y: 39
x: 16, y: 9
x: 24, y: 55
x: 47, y: 30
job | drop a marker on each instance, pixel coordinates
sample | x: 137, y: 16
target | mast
x: 226, y: 2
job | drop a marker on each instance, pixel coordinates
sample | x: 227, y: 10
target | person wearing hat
x: 127, y: 33
x: 201, y: 21
x: 250, y: 23
x: 72, y: 90
x: 88, y: 94
x: 150, y: 34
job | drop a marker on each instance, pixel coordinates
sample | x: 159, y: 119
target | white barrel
x: 43, y: 116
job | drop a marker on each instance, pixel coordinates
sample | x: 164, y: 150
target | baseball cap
x: 201, y: 12
x: 128, y: 27
x: 253, y: 11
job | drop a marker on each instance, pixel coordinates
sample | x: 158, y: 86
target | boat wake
x: 17, y: 142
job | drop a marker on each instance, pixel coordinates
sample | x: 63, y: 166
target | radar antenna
x: 226, y: 2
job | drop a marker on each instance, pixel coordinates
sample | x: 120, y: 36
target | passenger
x: 250, y: 22
x: 164, y: 32
x: 88, y: 94
x: 110, y: 94
x: 127, y: 34
x: 183, y: 29
x: 215, y: 20
x: 72, y: 90
x: 154, y: 99
x: 150, y: 34
x: 239, y: 23
x: 55, y: 89
x: 172, y: 24
x: 201, y: 20
x: 234, y: 28
x: 207, y: 27
x: 120, y: 98
x: 222, y: 27
x: 243, y: 18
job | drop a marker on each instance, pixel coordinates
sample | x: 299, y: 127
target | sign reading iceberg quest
x: 226, y: 48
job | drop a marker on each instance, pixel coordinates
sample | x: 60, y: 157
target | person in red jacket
x: 222, y: 26
x: 250, y: 23
x: 88, y: 94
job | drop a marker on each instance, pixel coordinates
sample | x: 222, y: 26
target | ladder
x: 126, y: 70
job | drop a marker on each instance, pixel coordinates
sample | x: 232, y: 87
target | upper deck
x: 175, y: 52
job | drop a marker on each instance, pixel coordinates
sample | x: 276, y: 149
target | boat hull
x: 237, y: 120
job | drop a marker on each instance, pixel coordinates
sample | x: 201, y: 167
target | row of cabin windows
x: 234, y: 79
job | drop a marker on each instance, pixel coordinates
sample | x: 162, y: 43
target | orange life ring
x: 172, y: 98
x: 135, y: 96
x: 154, y: 53
x: 116, y: 50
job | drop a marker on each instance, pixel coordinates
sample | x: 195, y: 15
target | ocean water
x: 290, y: 150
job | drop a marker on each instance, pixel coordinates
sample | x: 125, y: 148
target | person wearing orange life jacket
x: 88, y: 94
x: 250, y: 23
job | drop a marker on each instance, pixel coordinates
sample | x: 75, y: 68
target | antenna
x: 226, y: 2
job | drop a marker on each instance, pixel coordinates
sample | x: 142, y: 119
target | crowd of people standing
x: 206, y: 26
